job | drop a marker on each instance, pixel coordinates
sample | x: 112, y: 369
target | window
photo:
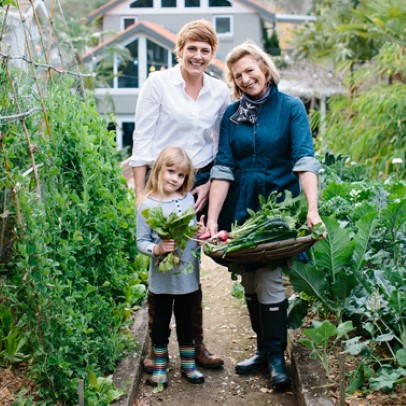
x: 192, y: 3
x: 157, y: 57
x: 220, y: 3
x: 142, y: 4
x: 127, y: 21
x: 128, y: 73
x: 124, y: 135
x: 223, y: 25
x: 168, y: 3
x: 127, y: 129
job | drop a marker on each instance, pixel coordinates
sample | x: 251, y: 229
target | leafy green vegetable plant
x: 173, y: 227
x: 323, y: 337
x: 357, y: 273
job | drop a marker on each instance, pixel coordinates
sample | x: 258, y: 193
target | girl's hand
x: 164, y: 247
x: 201, y: 228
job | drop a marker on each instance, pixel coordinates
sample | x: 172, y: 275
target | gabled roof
x: 155, y: 31
x: 102, y: 9
x: 265, y: 13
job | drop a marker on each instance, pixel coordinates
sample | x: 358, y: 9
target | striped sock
x: 187, y: 356
x: 160, y: 360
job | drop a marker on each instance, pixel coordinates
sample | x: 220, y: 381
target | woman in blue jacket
x: 265, y: 146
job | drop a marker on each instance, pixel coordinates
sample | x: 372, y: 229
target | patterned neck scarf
x: 248, y: 109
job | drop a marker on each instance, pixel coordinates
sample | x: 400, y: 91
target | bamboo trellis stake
x: 20, y: 115
x: 45, y: 66
x: 28, y: 48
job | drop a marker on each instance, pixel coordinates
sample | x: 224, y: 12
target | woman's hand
x: 314, y: 218
x: 212, y: 227
x: 164, y: 247
x: 202, y: 196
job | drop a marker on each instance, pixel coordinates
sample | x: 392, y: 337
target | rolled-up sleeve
x: 221, y: 173
x: 307, y: 164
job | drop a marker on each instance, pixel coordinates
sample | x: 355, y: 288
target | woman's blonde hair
x: 260, y: 56
x: 196, y: 30
x: 170, y: 157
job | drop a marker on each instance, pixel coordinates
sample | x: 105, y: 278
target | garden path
x: 227, y: 333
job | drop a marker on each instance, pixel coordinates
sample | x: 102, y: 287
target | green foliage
x: 323, y: 337
x: 271, y: 44
x: 358, y: 273
x: 74, y: 277
x: 4, y: 3
x: 237, y: 290
x: 335, y: 267
x: 373, y: 124
x: 350, y: 31
x: 101, y: 390
x: 13, y: 343
x: 172, y: 227
x: 366, y: 40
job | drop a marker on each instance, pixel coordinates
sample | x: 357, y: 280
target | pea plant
x: 70, y: 275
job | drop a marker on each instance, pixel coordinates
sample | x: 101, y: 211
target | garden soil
x: 228, y: 334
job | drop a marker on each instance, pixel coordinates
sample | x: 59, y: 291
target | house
x: 148, y: 29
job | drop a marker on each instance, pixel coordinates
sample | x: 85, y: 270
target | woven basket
x: 264, y: 253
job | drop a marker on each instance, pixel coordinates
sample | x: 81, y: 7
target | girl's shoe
x: 188, y: 365
x: 159, y: 375
x: 196, y: 378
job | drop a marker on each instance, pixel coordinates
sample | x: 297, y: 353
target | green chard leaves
x: 172, y: 227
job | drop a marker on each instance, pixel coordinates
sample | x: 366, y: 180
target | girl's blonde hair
x: 170, y: 157
x: 261, y: 57
x: 197, y: 30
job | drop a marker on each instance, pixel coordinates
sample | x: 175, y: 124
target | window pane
x: 157, y: 57
x: 128, y: 22
x: 223, y: 25
x: 128, y: 73
x: 219, y: 3
x: 105, y: 74
x: 192, y: 3
x: 127, y: 132
x: 168, y: 3
x: 142, y: 4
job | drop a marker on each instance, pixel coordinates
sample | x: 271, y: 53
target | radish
x: 221, y: 235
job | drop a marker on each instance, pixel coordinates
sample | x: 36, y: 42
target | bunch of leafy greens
x: 280, y: 217
x: 172, y: 227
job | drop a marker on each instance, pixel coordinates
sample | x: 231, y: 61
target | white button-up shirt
x: 166, y: 116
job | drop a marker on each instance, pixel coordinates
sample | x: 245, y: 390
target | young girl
x: 169, y: 186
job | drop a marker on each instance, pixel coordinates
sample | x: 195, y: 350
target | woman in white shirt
x: 182, y: 106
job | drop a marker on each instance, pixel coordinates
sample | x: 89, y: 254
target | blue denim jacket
x: 263, y: 157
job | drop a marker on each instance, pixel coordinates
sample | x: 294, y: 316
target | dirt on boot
x: 228, y: 334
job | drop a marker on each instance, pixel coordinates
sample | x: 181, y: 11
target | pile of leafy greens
x: 280, y: 217
x: 172, y: 227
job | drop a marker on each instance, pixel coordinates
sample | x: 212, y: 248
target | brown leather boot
x: 148, y: 362
x: 203, y: 357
